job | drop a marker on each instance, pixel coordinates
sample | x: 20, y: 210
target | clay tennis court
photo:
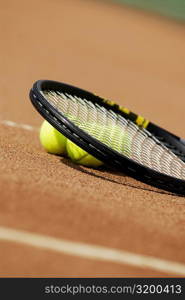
x: 58, y: 219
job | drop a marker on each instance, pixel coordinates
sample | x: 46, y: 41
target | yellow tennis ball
x: 52, y: 140
x: 80, y: 156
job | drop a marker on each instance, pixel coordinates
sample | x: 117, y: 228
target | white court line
x: 94, y: 252
x: 16, y: 125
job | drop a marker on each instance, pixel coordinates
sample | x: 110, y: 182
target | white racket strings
x: 118, y: 133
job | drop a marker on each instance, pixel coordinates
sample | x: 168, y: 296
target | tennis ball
x: 80, y: 156
x: 52, y: 140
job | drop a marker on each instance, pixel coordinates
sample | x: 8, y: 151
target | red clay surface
x: 136, y: 59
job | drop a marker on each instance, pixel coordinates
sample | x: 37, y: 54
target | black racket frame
x: 100, y: 150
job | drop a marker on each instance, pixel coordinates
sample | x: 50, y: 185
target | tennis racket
x: 113, y: 134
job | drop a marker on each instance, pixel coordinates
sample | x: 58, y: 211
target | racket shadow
x: 110, y: 170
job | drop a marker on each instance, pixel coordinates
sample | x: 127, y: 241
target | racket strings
x: 118, y: 133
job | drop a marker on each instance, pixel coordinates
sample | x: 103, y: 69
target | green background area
x: 170, y: 8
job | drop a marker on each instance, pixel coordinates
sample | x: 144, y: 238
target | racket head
x: 90, y: 144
